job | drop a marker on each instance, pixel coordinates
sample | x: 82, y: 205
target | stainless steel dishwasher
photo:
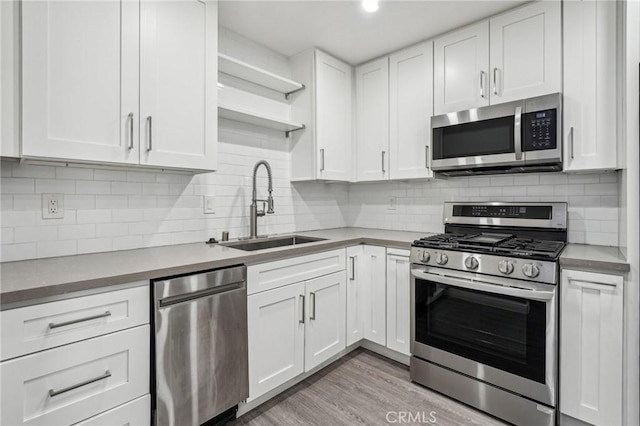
x: 200, y: 363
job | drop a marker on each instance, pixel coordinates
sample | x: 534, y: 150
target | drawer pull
x: 53, y: 393
x: 63, y: 324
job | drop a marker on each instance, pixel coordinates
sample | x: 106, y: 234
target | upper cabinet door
x: 80, y: 80
x: 333, y: 117
x: 372, y: 95
x: 461, y: 64
x: 526, y: 52
x: 178, y: 77
x: 410, y: 108
x: 590, y: 121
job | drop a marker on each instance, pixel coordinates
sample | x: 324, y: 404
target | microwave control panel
x: 540, y: 130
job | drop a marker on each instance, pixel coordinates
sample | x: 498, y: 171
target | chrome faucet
x: 266, y: 204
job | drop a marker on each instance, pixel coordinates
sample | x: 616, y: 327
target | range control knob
x: 505, y: 266
x: 425, y: 256
x: 441, y: 258
x: 530, y: 270
x: 471, y: 262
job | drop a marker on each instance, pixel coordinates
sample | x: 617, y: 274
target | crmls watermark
x: 413, y: 417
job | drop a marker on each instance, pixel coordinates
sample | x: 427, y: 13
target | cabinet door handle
x: 301, y: 320
x: 353, y: 268
x: 53, y: 393
x: 383, y: 154
x: 482, y: 84
x: 571, y: 142
x: 76, y: 321
x: 150, y: 126
x: 592, y: 283
x: 130, y: 131
x: 322, y: 160
x: 312, y: 314
x: 517, y: 133
x: 495, y: 81
x: 426, y: 156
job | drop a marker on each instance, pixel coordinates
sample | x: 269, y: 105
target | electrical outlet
x: 52, y: 206
x: 391, y: 203
x: 209, y: 204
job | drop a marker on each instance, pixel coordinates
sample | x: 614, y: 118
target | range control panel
x: 540, y: 130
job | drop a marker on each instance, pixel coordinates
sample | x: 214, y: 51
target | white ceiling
x: 343, y: 29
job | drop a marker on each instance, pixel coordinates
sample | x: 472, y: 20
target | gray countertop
x: 31, y: 281
x: 596, y: 258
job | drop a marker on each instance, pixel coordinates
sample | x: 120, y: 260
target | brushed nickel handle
x: 322, y: 160
x: 482, y: 84
x: 53, y: 393
x: 517, y: 133
x: 495, y: 81
x: 383, y: 154
x: 301, y: 320
x: 76, y: 321
x: 130, y: 117
x: 312, y: 316
x: 150, y: 124
x: 427, y: 160
x: 353, y: 268
x: 596, y: 283
x: 571, y: 141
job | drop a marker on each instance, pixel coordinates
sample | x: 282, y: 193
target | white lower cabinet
x: 294, y: 328
x: 373, y: 279
x: 134, y: 413
x: 398, y: 295
x: 325, y: 326
x: 276, y: 337
x: 71, y: 383
x: 355, y: 295
x: 591, y: 328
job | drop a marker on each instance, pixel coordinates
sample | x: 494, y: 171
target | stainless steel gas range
x: 484, y: 308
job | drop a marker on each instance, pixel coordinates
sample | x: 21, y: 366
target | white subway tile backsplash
x: 112, y: 229
x: 17, y: 186
x: 93, y: 187
x: 126, y: 188
x: 33, y: 234
x: 56, y: 186
x: 57, y: 248
x: 76, y: 173
x: 129, y: 242
x: 93, y: 216
x: 13, y: 252
x: 94, y: 245
x: 31, y: 171
x: 109, y: 175
x: 76, y: 232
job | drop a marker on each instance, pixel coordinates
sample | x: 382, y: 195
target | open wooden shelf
x: 248, y: 72
x: 235, y: 114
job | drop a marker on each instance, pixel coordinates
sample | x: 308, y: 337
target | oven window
x: 485, y: 137
x: 504, y: 332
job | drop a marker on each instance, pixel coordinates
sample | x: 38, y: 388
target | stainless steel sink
x: 272, y: 242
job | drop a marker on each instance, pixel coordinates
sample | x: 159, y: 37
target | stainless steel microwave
x: 520, y: 136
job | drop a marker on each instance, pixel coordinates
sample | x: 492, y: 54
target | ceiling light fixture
x: 370, y: 5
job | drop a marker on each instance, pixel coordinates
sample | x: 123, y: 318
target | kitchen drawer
x: 134, y: 413
x: 267, y: 276
x: 35, y: 328
x: 65, y: 385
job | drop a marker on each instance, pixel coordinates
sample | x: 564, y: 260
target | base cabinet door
x: 398, y: 295
x: 591, y: 347
x: 355, y: 294
x: 134, y: 413
x: 276, y: 337
x: 373, y: 277
x: 325, y: 317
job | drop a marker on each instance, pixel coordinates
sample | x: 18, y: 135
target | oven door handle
x: 486, y: 286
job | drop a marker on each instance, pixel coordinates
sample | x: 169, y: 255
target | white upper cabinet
x: 324, y: 149
x: 120, y: 82
x: 461, y: 64
x: 178, y: 72
x: 590, y: 121
x: 513, y: 56
x: 525, y: 52
x: 80, y: 80
x: 372, y: 106
x: 9, y: 79
x: 410, y: 109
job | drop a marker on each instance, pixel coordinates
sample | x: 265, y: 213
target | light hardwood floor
x: 361, y: 389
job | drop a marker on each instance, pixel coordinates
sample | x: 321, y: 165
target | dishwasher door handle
x: 186, y: 297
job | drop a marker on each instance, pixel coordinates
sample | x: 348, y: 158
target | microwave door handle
x: 484, y: 286
x: 517, y: 133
